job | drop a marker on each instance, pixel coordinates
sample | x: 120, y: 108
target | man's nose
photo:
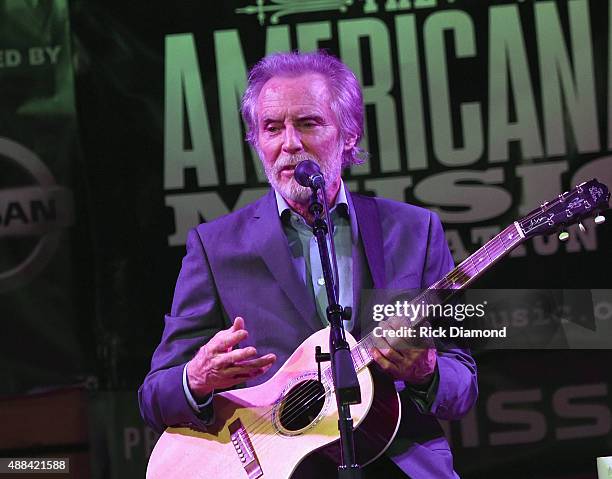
x: 293, y: 142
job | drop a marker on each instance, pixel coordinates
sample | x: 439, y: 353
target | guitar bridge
x: 244, y: 449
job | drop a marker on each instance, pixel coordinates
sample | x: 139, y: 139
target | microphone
x: 307, y: 173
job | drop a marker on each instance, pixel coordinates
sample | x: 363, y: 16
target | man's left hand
x: 414, y: 366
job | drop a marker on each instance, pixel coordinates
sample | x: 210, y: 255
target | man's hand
x: 414, y: 366
x: 217, y: 365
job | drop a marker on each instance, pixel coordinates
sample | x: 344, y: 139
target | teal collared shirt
x: 305, y: 252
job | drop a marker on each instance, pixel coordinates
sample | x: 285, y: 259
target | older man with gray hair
x: 250, y: 290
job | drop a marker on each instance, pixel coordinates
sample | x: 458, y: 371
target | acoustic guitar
x: 288, y: 426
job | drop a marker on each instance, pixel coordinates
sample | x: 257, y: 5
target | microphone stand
x: 346, y: 385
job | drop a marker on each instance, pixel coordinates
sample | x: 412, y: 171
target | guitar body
x: 285, y: 427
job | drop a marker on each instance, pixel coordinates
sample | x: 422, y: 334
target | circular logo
x: 38, y: 211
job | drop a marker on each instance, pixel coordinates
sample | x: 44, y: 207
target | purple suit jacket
x: 240, y: 265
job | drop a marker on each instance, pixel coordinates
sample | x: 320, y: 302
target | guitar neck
x: 441, y: 291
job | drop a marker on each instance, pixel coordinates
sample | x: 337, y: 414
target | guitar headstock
x: 586, y: 199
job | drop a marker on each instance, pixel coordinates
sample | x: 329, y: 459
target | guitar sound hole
x: 302, y: 405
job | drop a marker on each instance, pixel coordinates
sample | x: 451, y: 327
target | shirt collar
x: 341, y: 199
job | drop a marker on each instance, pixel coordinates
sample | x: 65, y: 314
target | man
x: 259, y: 267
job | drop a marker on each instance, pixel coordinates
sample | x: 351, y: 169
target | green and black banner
x: 41, y: 343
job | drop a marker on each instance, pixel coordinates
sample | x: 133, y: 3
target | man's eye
x: 272, y: 129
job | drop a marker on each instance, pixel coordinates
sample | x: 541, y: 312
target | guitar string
x: 297, y: 403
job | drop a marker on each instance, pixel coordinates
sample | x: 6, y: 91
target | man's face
x: 295, y: 122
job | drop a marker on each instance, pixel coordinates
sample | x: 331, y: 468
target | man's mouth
x: 287, y: 170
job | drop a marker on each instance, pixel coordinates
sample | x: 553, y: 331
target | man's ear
x: 349, y: 143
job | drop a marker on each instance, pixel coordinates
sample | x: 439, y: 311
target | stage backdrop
x: 480, y: 111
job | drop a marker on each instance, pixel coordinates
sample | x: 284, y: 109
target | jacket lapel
x: 370, y: 230
x: 271, y: 242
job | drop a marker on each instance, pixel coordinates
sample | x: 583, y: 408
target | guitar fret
x: 503, y: 247
x: 493, y: 250
x: 458, y: 277
x: 481, y: 259
x: 366, y: 353
x: 473, y: 264
x: 368, y: 356
x: 465, y: 274
x: 357, y: 358
x: 486, y: 250
x: 358, y: 349
x: 445, y: 282
x: 510, y: 236
x: 477, y: 260
x: 367, y: 345
x: 503, y: 236
x: 359, y: 363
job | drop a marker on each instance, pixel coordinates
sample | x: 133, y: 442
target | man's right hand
x: 217, y: 365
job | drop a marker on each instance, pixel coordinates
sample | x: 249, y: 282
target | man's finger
x: 262, y: 361
x: 238, y: 323
x: 383, y: 362
x: 225, y: 360
x: 392, y: 355
x: 225, y: 340
x: 246, y: 365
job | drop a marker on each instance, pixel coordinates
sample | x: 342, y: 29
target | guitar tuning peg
x: 581, y: 226
x: 563, y: 236
x: 599, y: 219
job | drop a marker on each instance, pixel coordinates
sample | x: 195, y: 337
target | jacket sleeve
x: 194, y: 318
x: 456, y: 388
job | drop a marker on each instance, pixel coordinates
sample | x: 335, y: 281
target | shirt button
x: 321, y: 281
